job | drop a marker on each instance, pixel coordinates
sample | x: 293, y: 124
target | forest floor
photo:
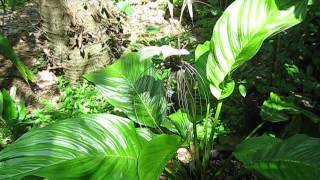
x: 22, y: 27
x: 149, y: 22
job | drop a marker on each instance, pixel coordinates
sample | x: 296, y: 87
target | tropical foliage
x: 146, y: 135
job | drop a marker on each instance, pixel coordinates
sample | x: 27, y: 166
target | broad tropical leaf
x: 129, y: 85
x: 22, y: 109
x: 202, y: 49
x: 10, y: 110
x: 179, y: 123
x: 155, y: 156
x: 241, y: 30
x: 201, y: 58
x: 145, y: 133
x: 92, y: 147
x: 293, y: 159
x: 7, y: 51
x: 251, y: 146
x: 278, y: 109
x: 227, y: 88
x: 149, y: 103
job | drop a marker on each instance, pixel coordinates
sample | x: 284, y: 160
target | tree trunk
x: 79, y: 33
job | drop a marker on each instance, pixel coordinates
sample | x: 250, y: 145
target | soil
x: 148, y: 14
x: 22, y: 27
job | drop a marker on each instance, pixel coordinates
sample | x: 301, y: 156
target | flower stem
x: 209, y: 143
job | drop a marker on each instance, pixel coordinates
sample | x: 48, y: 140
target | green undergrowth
x: 73, y: 101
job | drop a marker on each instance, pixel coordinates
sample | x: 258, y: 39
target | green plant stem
x: 209, y: 143
x: 195, y: 140
x: 168, y: 170
x: 226, y: 162
x: 216, y: 118
x: 207, y: 119
x: 255, y: 130
x: 204, y: 141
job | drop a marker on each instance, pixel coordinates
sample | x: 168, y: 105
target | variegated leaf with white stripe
x: 130, y: 85
x: 241, y: 30
x: 93, y: 147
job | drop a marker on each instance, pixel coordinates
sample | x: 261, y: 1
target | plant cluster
x: 75, y: 100
x: 11, y: 4
x: 12, y: 113
x: 154, y: 133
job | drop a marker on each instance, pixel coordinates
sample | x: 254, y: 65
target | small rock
x: 46, y: 79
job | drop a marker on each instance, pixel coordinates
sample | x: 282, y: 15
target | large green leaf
x: 293, y: 159
x: 241, y: 30
x: 10, y: 110
x: 278, y: 109
x: 201, y: 50
x: 246, y: 149
x: 129, y: 85
x: 155, y: 156
x: 145, y: 133
x: 179, y: 123
x: 92, y: 147
x: 22, y: 109
x: 7, y: 51
x: 201, y: 58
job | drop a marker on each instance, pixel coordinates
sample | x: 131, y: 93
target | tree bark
x: 79, y: 33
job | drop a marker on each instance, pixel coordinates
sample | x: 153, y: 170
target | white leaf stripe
x: 241, y: 30
x: 95, y: 147
x: 129, y: 86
